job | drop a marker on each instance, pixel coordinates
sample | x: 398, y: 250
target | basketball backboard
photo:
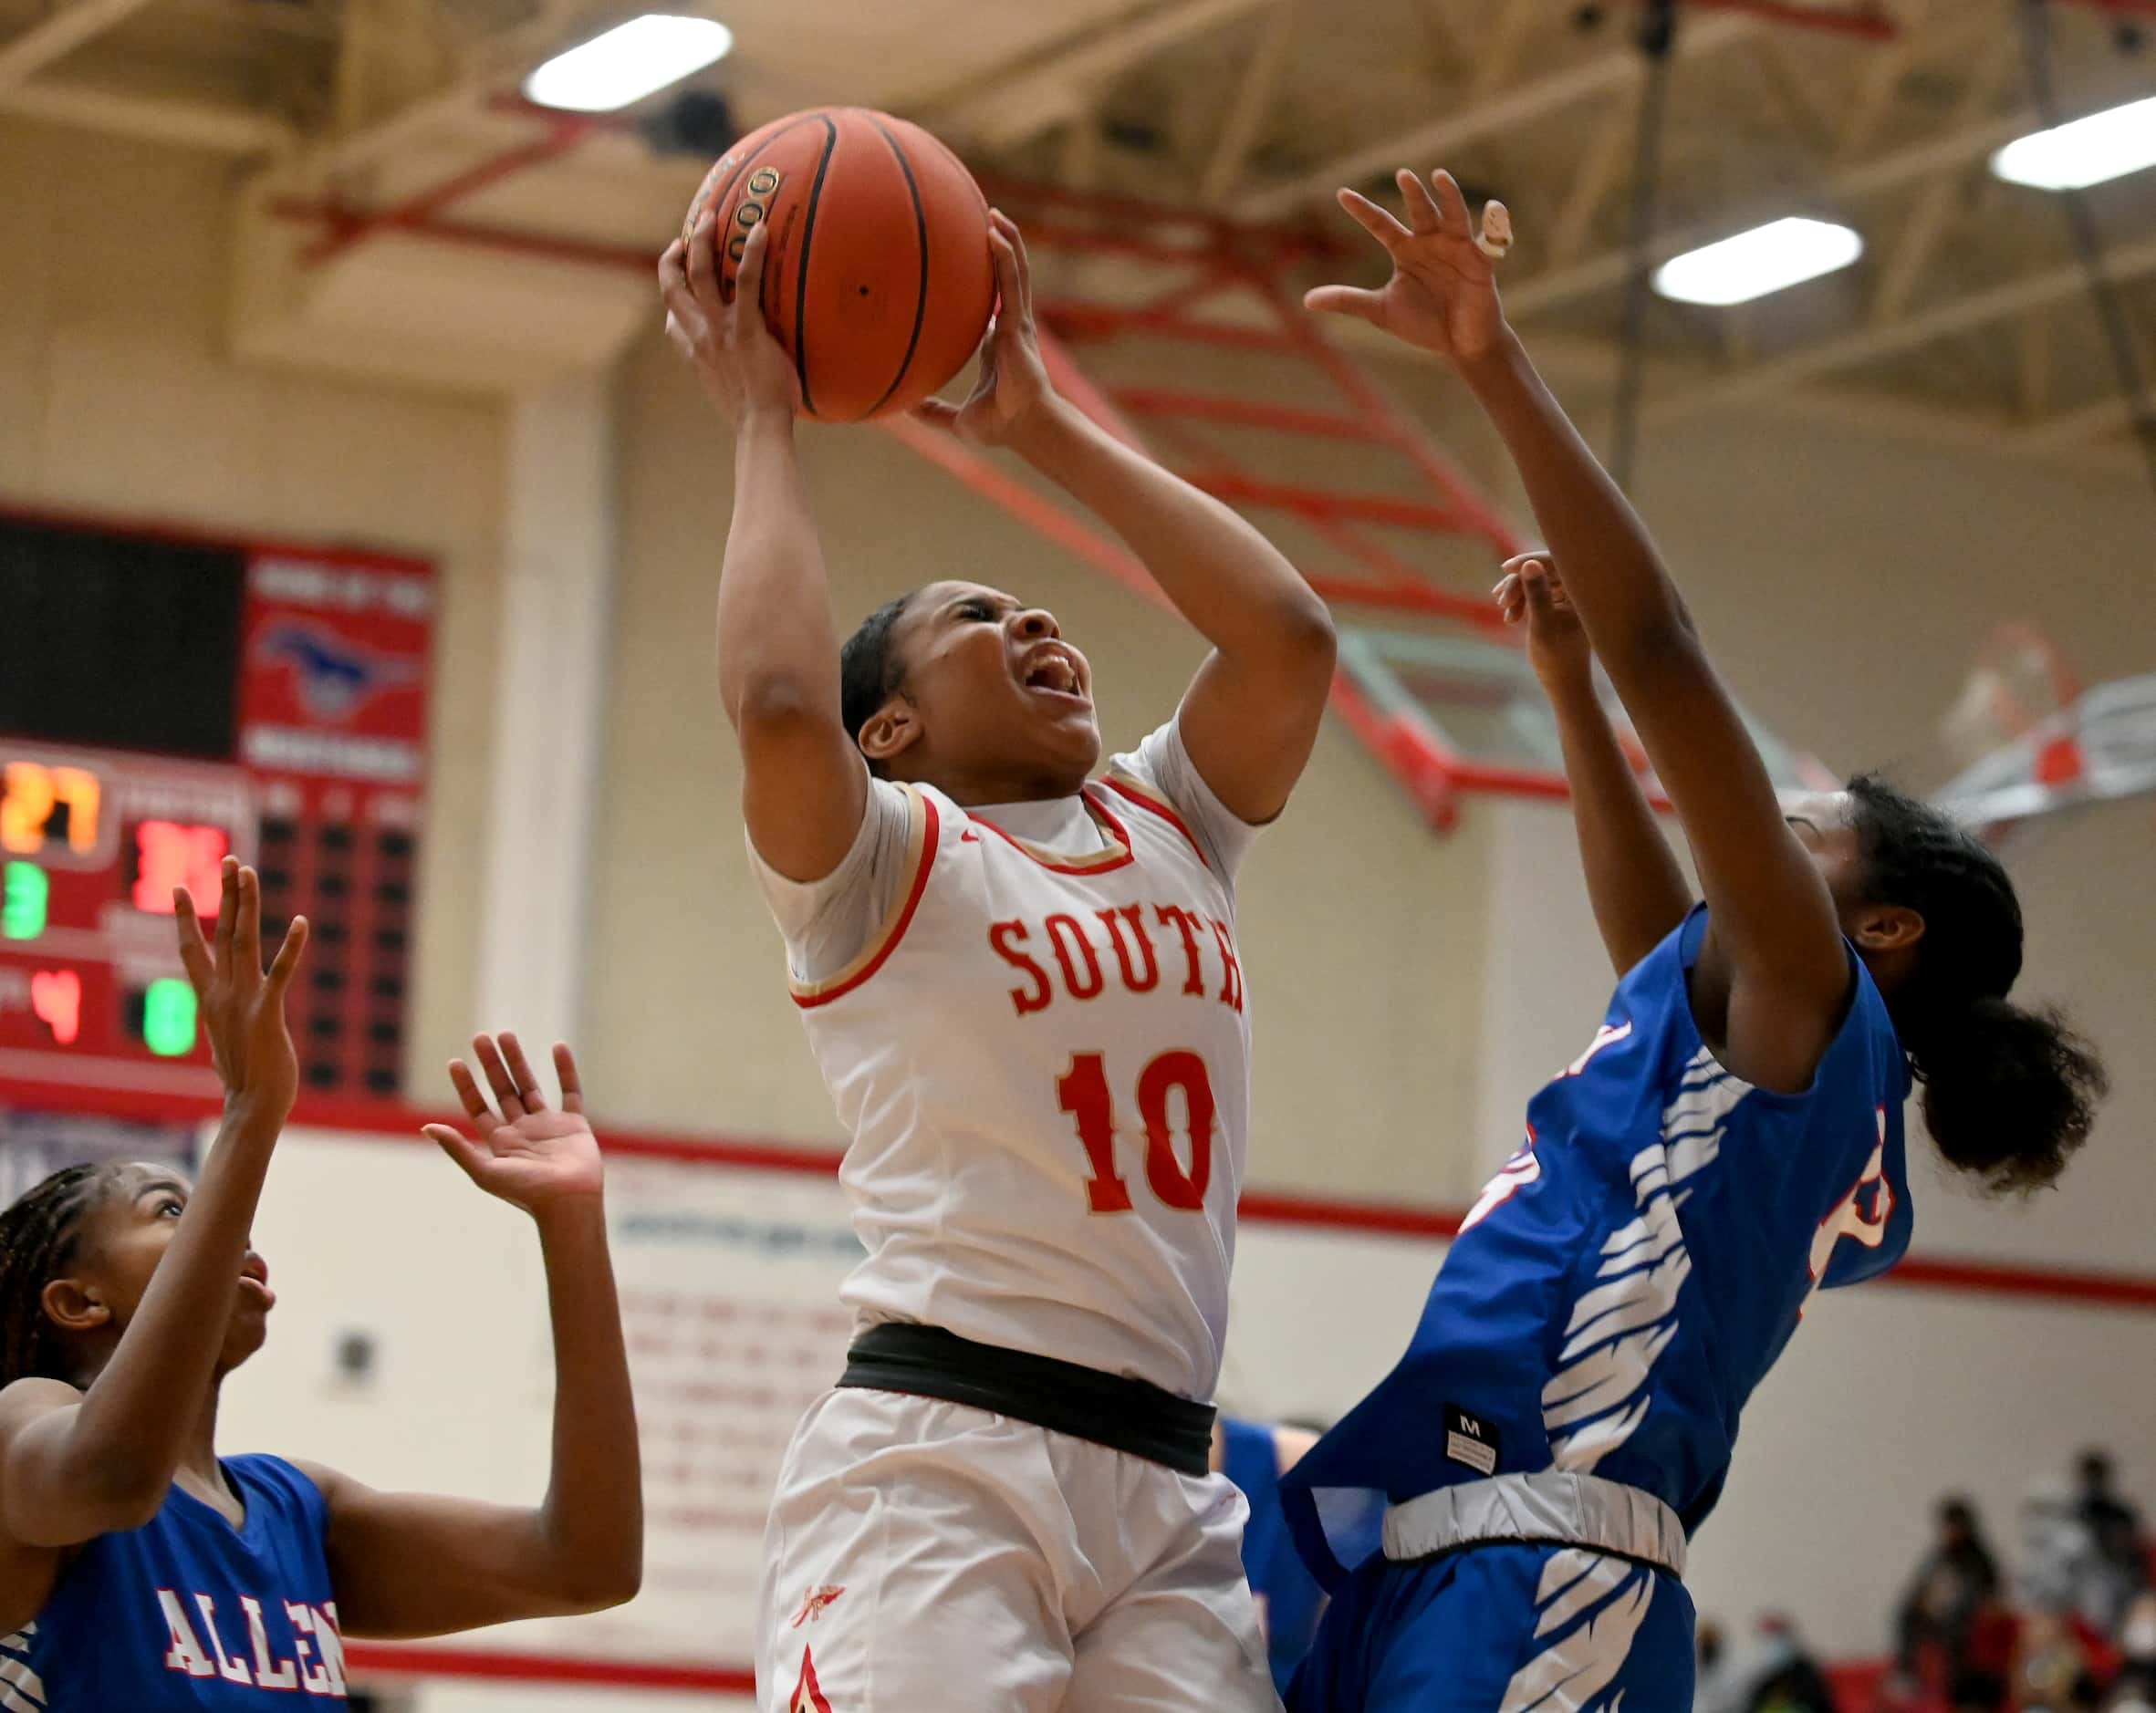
x: 2031, y: 743
x: 2100, y: 749
x: 1468, y: 715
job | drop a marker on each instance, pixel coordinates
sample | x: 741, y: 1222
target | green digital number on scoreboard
x: 22, y: 892
x: 168, y: 1017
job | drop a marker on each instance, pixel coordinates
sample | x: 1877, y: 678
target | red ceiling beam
x: 1212, y: 406
x: 1325, y: 502
x: 348, y: 227
x: 538, y: 245
x: 1866, y: 22
x: 1104, y: 321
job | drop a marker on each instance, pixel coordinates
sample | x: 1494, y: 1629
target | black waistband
x: 1125, y: 1415
x: 1539, y: 1541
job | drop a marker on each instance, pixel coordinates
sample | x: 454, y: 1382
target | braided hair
x: 37, y: 1238
x: 2009, y: 1093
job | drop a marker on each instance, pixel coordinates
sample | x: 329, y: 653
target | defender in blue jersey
x: 1254, y: 1456
x: 1729, y: 1140
x: 139, y: 1571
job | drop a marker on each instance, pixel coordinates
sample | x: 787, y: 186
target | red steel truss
x: 1195, y: 279
x: 1180, y: 278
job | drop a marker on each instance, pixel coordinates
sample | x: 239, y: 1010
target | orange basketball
x: 877, y: 278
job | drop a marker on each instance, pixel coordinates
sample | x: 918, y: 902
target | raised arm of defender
x: 1774, y: 925
x: 75, y: 1464
x: 1634, y: 884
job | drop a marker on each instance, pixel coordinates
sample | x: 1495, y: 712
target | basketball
x: 879, y: 280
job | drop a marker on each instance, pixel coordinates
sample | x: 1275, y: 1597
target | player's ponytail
x: 37, y: 1237
x: 869, y: 671
x: 2008, y: 1093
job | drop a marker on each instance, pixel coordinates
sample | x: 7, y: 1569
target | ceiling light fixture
x: 2070, y: 157
x: 629, y: 62
x: 1768, y: 258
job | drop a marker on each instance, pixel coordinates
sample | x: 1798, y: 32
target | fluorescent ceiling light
x: 1765, y: 259
x: 628, y: 63
x: 2106, y: 145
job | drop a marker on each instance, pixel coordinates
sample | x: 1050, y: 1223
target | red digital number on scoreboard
x: 56, y: 999
x: 171, y: 854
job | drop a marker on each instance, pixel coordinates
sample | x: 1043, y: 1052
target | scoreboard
x: 166, y: 700
x: 91, y: 846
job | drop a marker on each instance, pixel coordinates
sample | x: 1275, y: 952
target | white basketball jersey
x: 1043, y: 1061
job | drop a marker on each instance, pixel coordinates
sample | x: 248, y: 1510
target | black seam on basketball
x: 801, y: 267
x: 920, y: 296
x: 718, y: 197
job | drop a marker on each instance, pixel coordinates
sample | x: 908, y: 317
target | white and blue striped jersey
x: 1632, y: 1272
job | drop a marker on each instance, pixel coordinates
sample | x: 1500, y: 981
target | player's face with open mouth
x: 996, y: 682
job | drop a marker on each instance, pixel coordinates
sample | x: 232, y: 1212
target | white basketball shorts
x: 930, y: 1557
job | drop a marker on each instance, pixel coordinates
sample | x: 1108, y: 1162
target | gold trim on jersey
x: 1143, y: 795
x: 1117, y: 852
x: 920, y: 856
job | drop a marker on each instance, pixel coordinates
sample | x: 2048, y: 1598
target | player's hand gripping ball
x: 877, y: 279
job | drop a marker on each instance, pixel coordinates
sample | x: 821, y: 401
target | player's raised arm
x: 1633, y: 881
x: 1771, y: 912
x: 407, y: 1564
x: 805, y: 782
x: 74, y: 1463
x: 1252, y: 713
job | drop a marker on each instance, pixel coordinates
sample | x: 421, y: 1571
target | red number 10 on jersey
x: 1082, y: 1092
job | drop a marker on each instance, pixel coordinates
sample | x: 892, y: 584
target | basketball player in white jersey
x: 1023, y: 987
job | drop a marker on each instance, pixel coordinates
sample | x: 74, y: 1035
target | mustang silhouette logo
x: 336, y: 675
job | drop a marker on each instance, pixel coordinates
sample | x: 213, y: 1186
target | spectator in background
x: 2115, y: 1528
x: 2062, y: 1568
x: 2135, y: 1691
x: 1788, y: 1679
x: 1716, y: 1687
x: 1953, y: 1583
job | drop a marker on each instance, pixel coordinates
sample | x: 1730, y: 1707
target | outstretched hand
x: 1011, y: 389
x: 1442, y: 294
x: 243, y: 1009
x: 528, y: 1154
x: 1531, y: 593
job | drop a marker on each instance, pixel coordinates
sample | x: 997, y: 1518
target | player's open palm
x: 1530, y: 593
x: 725, y: 340
x: 527, y: 1153
x: 1442, y: 294
x: 242, y: 1009
x: 1013, y: 384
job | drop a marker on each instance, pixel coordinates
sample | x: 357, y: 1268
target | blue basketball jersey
x: 1632, y: 1272
x: 188, y: 1612
x: 1289, y: 1600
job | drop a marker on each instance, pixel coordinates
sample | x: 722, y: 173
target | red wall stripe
x: 1853, y: 1680
x: 399, y: 1659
